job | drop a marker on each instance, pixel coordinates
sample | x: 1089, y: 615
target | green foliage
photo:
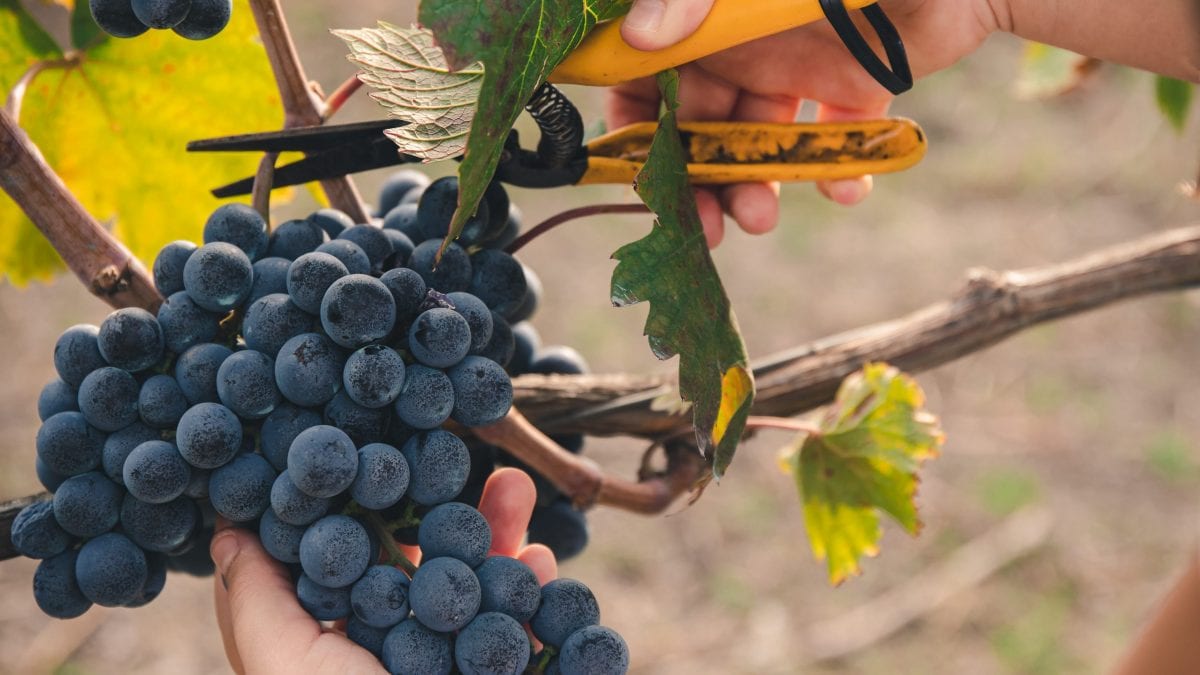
x: 519, y: 44
x: 114, y: 122
x: 1174, y: 100
x: 863, y: 459
x: 689, y: 311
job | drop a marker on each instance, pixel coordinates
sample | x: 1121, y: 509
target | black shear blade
x: 301, y: 139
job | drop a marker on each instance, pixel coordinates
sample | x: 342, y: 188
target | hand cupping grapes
x: 296, y: 387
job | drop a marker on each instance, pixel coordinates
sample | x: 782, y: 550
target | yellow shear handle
x: 737, y: 152
x: 605, y: 59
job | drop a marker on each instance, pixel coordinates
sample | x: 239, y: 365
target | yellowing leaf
x: 413, y: 83
x: 22, y: 44
x: 690, y: 314
x: 115, y: 127
x: 864, y: 459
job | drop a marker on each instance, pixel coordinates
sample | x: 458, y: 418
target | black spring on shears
x: 560, y: 123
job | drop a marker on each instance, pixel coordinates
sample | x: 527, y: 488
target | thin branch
x: 101, y: 262
x: 16, y: 95
x: 992, y: 307
x: 582, y: 479
x: 302, y: 104
x: 782, y: 424
x: 567, y: 216
x: 335, y: 101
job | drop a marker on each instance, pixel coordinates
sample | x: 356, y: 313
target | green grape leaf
x: 22, y: 44
x: 1046, y: 72
x: 689, y: 311
x: 413, y: 83
x: 519, y: 43
x: 114, y: 125
x: 1174, y: 100
x: 862, y: 459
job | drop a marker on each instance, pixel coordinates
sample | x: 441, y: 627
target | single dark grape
x: 49, y: 478
x: 453, y: 273
x: 159, y: 527
x: 560, y: 527
x: 380, y: 597
x: 397, y: 185
x: 206, y: 19
x: 363, y: 425
x: 155, y: 472
x: 322, y: 461
x: 77, y: 353
x: 482, y: 391
x: 567, y: 605
x: 594, y: 650
x: 116, y: 18
x: 196, y: 371
x: 351, y: 254
x: 280, y: 539
x: 55, y: 588
x: 444, y: 594
x: 88, y: 505
x: 130, y: 339
x: 111, y: 570
x: 439, y: 337
x: 508, y: 586
x: 209, y: 435
x: 161, y: 402
x: 236, y: 224
x: 36, y: 533
x: 374, y: 376
x: 168, y: 267
x: 382, y: 478
x: 293, y: 506
x: 457, y: 531
x: 241, y: 490
x: 498, y: 280
x: 478, y: 317
x: 558, y: 360
x: 161, y: 13
x: 323, y: 603
x: 218, y: 276
x: 57, y: 396
x: 119, y: 444
x: 281, y: 428
x: 412, y: 648
x: 308, y: 369
x: 332, y: 221
x: 335, y: 551
x: 108, y: 399
x: 295, y: 238
x: 357, y: 310
x: 309, y: 276
x: 246, y: 384
x: 408, y: 292
x: 439, y: 464
x: 492, y: 643
x: 273, y: 320
x: 427, y: 398
x: 68, y: 445
x: 184, y: 323
x: 526, y: 342
x: 371, y: 240
x: 403, y: 218
x: 501, y: 345
x: 270, y: 276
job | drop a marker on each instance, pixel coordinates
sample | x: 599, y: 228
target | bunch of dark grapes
x: 305, y: 384
x: 193, y: 19
x: 556, y: 522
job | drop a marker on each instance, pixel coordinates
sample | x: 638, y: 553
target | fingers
x: 630, y: 102
x: 852, y: 190
x: 507, y: 504
x: 541, y: 560
x: 657, y: 24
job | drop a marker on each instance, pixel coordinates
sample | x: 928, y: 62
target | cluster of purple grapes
x: 192, y: 19
x: 298, y: 383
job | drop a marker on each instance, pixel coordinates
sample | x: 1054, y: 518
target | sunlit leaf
x: 22, y: 44
x: 519, y: 43
x: 689, y: 312
x: 115, y: 127
x: 413, y: 83
x: 1174, y: 100
x: 864, y: 460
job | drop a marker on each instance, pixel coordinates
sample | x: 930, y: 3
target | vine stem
x: 16, y: 95
x: 782, y: 424
x: 264, y: 182
x: 101, y: 262
x: 388, y: 541
x: 302, y: 104
x: 567, y: 216
x: 335, y: 101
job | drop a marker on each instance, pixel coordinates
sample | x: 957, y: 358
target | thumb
x: 658, y: 24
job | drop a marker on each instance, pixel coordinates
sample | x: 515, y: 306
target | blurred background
x: 1062, y: 508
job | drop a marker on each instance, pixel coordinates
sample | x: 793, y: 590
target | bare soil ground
x: 1095, y: 419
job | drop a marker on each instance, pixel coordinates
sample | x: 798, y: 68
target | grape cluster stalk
x: 313, y: 384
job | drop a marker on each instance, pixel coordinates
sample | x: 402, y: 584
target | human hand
x: 766, y: 81
x: 263, y: 626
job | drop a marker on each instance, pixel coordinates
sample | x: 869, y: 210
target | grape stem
x: 569, y: 215
x: 303, y: 104
x: 335, y: 101
x: 395, y: 555
x: 264, y: 182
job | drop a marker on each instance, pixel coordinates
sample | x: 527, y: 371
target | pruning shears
x: 717, y: 152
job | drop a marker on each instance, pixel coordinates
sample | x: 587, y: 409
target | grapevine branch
x: 992, y: 306
x: 101, y: 262
x: 303, y: 105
